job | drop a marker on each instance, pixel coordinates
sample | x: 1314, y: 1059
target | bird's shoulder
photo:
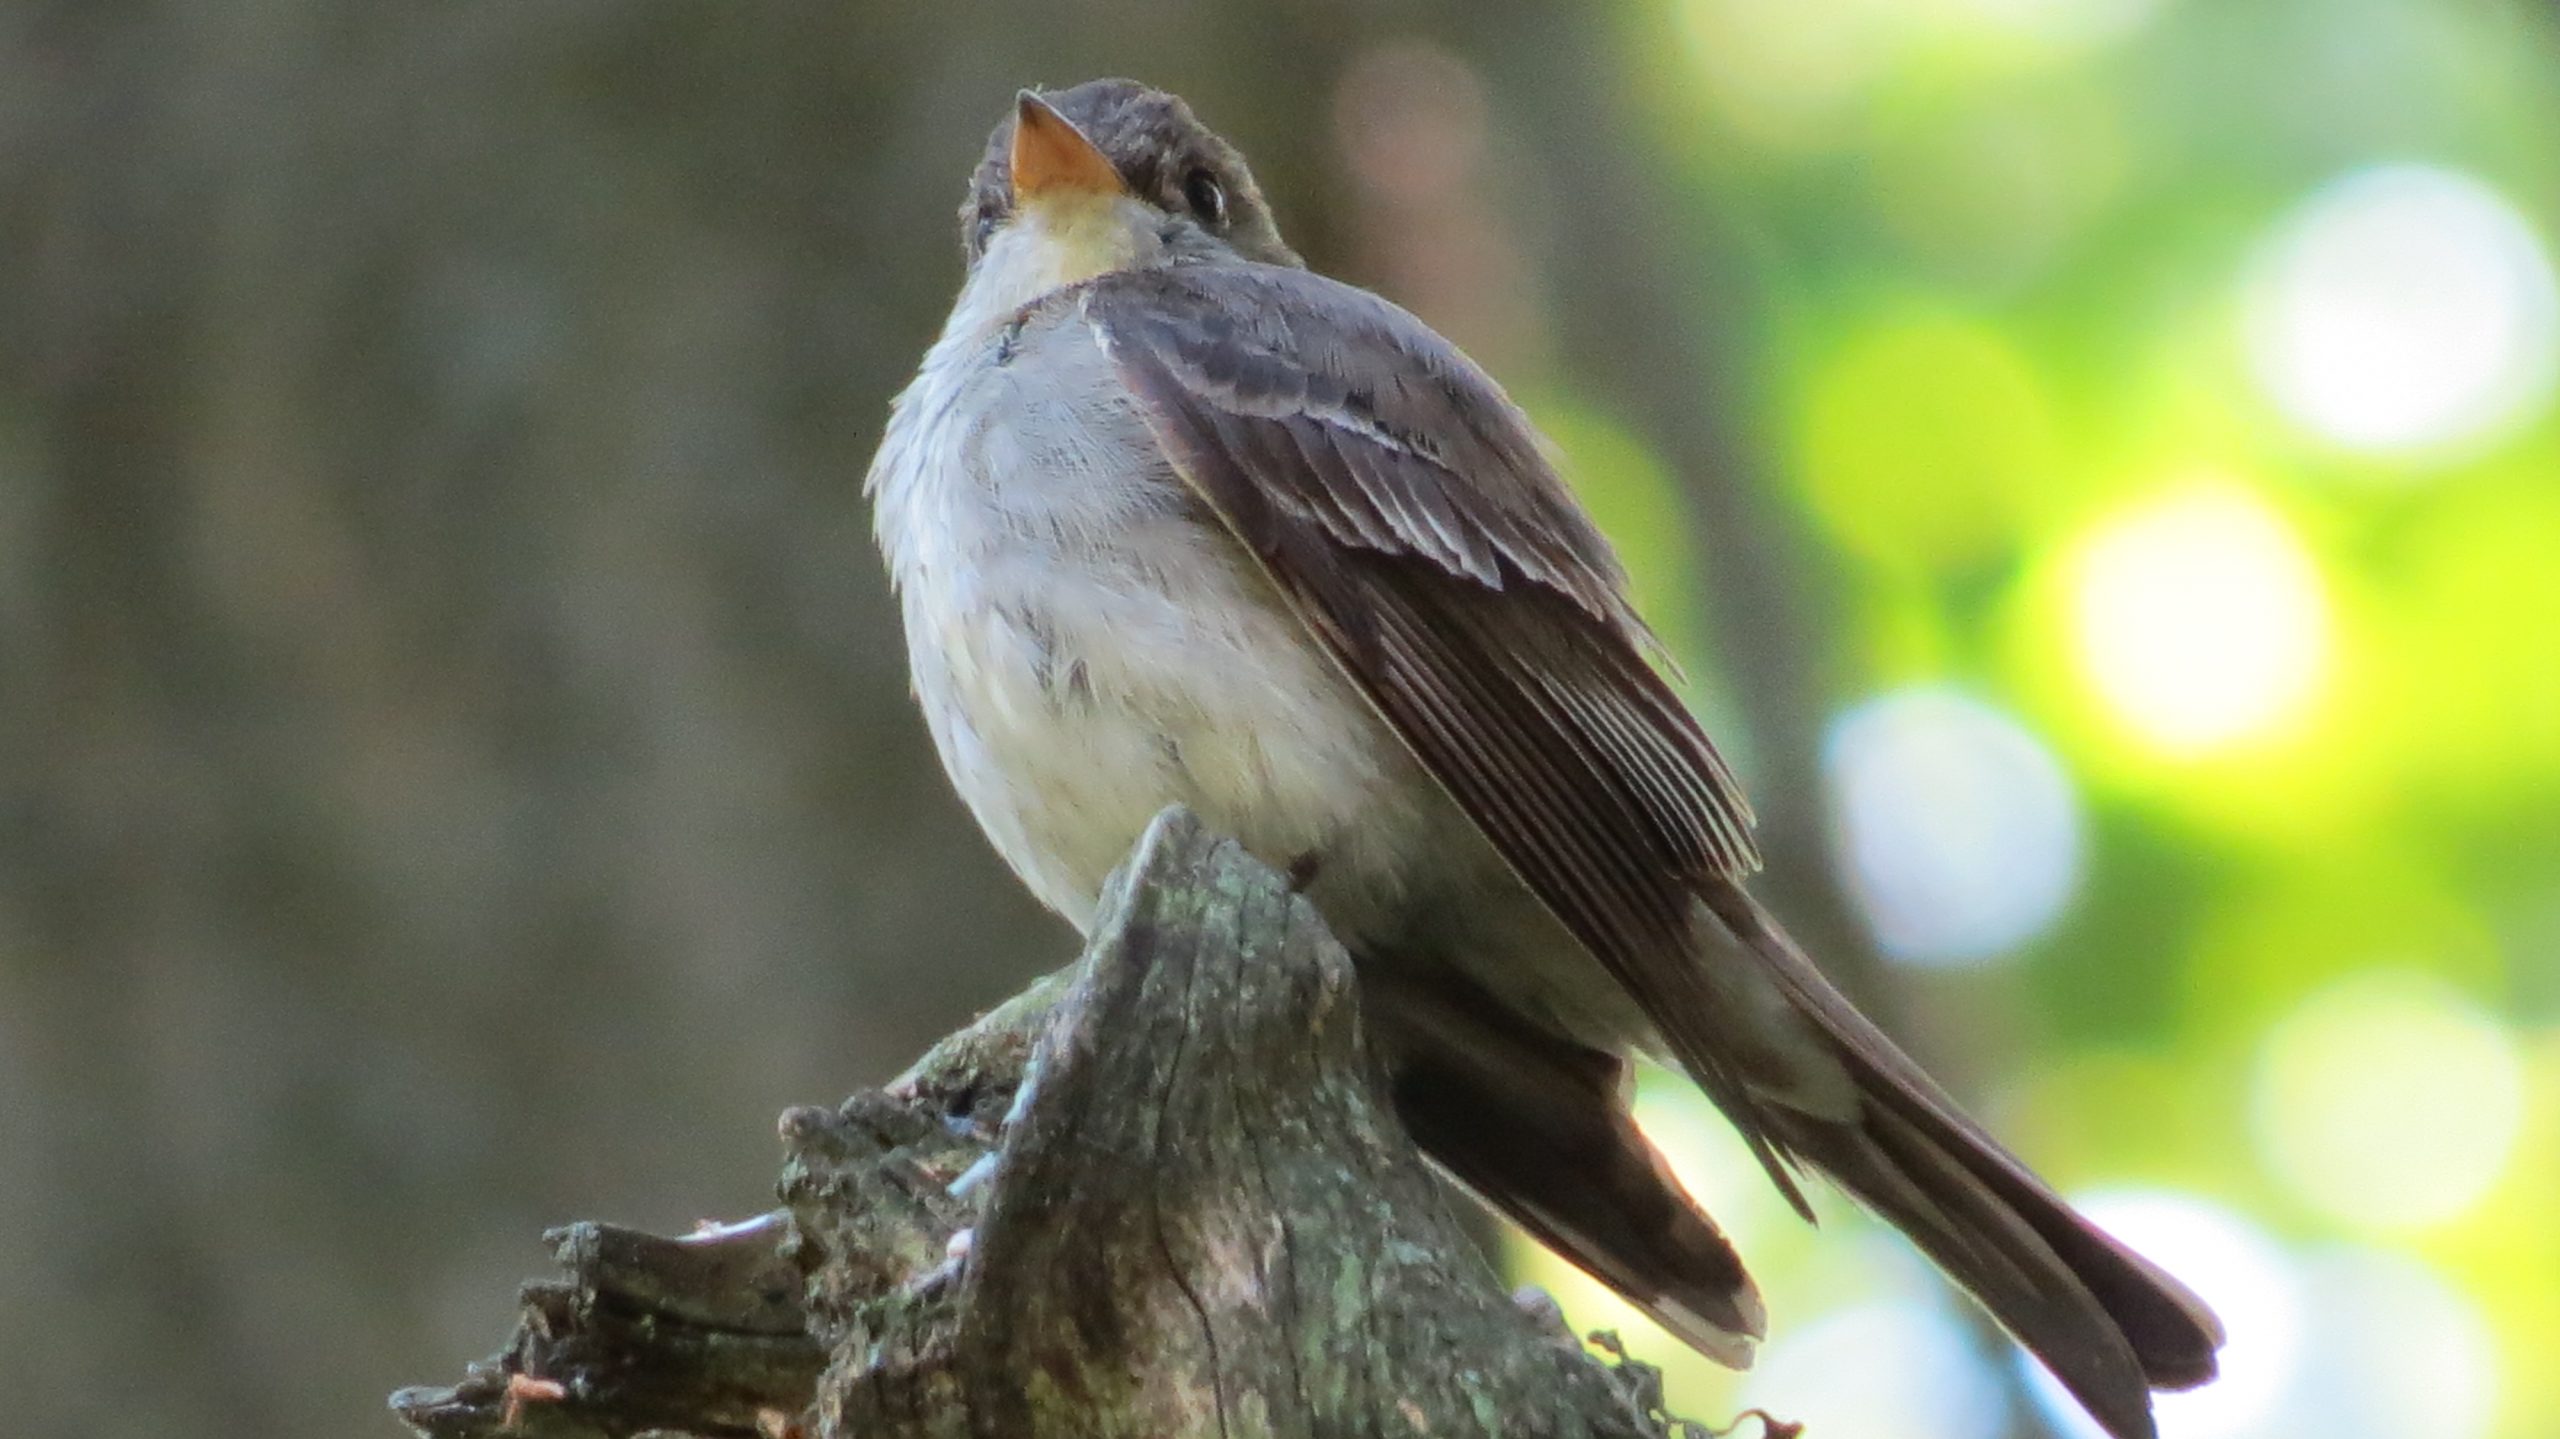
x: 1358, y: 417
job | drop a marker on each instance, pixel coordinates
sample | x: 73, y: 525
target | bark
x: 1155, y: 1194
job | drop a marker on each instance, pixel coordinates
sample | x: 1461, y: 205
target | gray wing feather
x: 1402, y: 504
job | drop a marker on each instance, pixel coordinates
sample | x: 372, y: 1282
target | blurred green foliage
x: 2179, y: 380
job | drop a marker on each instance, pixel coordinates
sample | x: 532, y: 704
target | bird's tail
x: 2108, y: 1323
x: 1536, y: 1125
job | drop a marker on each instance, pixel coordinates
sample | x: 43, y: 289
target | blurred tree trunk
x: 441, y: 653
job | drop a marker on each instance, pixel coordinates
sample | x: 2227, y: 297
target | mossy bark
x: 1155, y: 1194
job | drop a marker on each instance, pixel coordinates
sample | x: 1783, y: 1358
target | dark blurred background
x: 456, y: 775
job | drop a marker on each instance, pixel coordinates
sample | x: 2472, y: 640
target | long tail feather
x: 2110, y: 1324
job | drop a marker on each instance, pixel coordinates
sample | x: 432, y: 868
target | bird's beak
x: 1051, y: 157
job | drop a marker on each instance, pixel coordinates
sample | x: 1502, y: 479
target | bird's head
x: 1110, y: 175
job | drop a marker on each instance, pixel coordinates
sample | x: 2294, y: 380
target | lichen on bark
x: 1157, y: 1193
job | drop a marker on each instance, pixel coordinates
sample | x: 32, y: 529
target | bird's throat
x: 1056, y: 241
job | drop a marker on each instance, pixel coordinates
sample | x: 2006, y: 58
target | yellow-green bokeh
x: 2007, y: 260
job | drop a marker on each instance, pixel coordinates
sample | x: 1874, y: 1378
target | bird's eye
x: 1207, y: 198
x: 984, y: 229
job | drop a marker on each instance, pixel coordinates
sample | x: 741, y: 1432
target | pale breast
x: 1089, y: 647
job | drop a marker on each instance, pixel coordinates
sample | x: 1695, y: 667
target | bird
x: 1172, y: 518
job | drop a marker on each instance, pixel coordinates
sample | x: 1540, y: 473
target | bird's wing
x: 1403, y: 505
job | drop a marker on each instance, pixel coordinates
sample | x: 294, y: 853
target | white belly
x: 1088, y: 649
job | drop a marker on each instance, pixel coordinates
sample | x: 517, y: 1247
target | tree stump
x: 1156, y: 1194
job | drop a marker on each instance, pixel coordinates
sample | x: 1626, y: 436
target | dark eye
x: 984, y: 228
x: 1206, y: 197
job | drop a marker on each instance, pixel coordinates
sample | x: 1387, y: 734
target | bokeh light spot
x: 2391, y: 1350
x: 2246, y: 1278
x: 1887, y: 1370
x: 1410, y: 118
x: 2389, y: 1101
x: 2200, y: 619
x: 1958, y: 828
x: 1923, y: 440
x: 2404, y: 307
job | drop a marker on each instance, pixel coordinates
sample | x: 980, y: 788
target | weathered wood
x: 1156, y: 1194
x: 700, y: 1335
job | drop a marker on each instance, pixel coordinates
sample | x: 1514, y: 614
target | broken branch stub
x: 1156, y: 1194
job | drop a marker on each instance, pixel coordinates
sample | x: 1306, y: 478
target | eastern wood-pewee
x: 1173, y: 519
